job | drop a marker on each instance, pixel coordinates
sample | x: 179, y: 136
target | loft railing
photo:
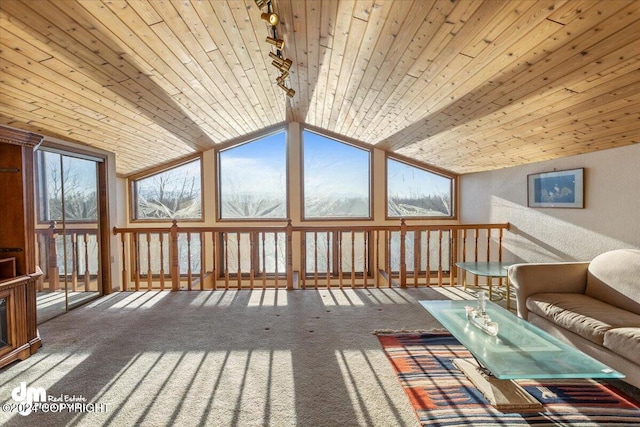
x: 283, y: 256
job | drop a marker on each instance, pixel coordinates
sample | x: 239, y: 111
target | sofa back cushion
x: 614, y: 277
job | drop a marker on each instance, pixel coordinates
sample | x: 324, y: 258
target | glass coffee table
x: 520, y: 350
x: 489, y: 270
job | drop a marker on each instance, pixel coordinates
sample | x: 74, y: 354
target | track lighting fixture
x: 278, y: 43
x: 281, y: 63
x: 283, y: 76
x: 272, y: 18
x: 290, y: 92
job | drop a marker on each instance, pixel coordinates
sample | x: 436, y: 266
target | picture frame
x: 557, y: 189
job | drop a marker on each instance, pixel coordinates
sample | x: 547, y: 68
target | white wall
x: 610, y: 219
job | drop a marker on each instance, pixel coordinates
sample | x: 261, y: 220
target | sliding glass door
x: 67, y: 231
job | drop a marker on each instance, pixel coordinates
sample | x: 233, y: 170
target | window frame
x: 453, y: 187
x: 132, y: 193
x: 340, y: 140
x: 72, y: 153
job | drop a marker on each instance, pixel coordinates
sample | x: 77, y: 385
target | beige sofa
x: 594, y: 305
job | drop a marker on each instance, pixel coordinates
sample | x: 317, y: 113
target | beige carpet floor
x: 224, y: 358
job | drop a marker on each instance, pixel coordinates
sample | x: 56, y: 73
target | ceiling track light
x: 278, y: 43
x: 272, y: 18
x: 281, y: 63
x: 290, y: 92
x: 282, y: 77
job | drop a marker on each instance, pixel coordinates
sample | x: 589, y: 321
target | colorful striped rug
x: 442, y: 396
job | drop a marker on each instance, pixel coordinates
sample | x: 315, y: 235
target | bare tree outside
x: 171, y: 194
x: 73, y: 177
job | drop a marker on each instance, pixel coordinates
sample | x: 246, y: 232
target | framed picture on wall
x: 557, y: 189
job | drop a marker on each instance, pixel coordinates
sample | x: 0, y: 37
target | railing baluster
x: 136, y: 261
x: 428, y: 235
x: 74, y: 261
x: 453, y: 246
x: 315, y: 257
x: 189, y: 271
x: 440, y: 257
x: 403, y: 254
x: 87, y: 274
x: 125, y: 282
x: 226, y: 261
x: 149, y: 272
x: 214, y: 259
x: 174, y: 256
x: 239, y: 255
x: 339, y: 237
x: 416, y: 257
x: 264, y: 260
x: 303, y: 259
x: 203, y: 257
x: 365, y: 257
x: 353, y: 259
x: 252, y: 259
x: 275, y: 240
x: 328, y: 260
x: 161, y: 241
x: 475, y: 254
x: 388, y: 257
x: 288, y: 255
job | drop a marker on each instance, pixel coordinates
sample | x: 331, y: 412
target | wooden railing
x: 80, y: 271
x: 283, y: 256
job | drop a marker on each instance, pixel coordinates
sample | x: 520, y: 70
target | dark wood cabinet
x: 18, y: 272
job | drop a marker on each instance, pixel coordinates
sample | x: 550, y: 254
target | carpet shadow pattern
x: 442, y: 396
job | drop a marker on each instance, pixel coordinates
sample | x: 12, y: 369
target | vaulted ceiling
x: 465, y: 85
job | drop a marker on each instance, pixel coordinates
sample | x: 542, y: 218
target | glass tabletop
x: 490, y: 269
x: 520, y: 350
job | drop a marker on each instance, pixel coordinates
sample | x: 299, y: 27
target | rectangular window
x: 69, y: 183
x: 416, y: 192
x: 337, y: 179
x: 171, y: 194
x: 252, y: 179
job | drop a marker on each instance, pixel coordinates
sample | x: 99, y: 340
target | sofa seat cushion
x: 625, y: 342
x: 586, y: 316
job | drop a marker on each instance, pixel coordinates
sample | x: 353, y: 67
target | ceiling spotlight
x: 282, y: 64
x: 278, y: 43
x: 272, y: 18
x: 283, y: 76
x: 261, y: 3
x: 290, y: 92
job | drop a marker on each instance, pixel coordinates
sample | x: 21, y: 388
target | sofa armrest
x: 536, y: 278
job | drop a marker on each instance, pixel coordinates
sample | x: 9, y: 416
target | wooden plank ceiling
x: 465, y: 85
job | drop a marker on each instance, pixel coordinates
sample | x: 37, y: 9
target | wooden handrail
x: 361, y: 254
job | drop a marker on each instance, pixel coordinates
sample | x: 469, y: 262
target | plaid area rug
x: 442, y: 396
